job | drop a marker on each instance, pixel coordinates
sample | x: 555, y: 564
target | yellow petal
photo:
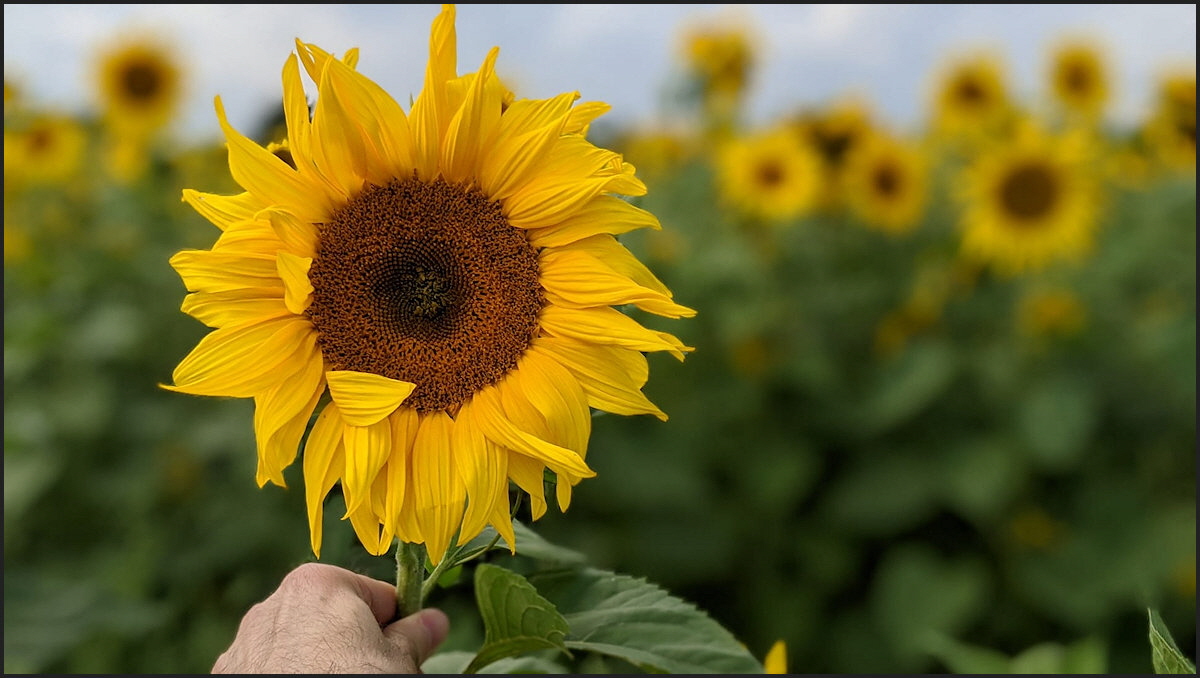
x: 776, y: 659
x: 439, y: 493
x: 222, y: 210
x: 337, y: 146
x: 501, y: 516
x: 270, y: 179
x: 324, y: 461
x: 235, y: 307
x: 611, y: 376
x: 366, y: 398
x: 381, y: 119
x: 367, y: 450
x: 296, y: 115
x: 608, y: 326
x: 618, y: 258
x: 281, y: 415
x: 483, y: 469
x: 397, y: 520
x: 583, y: 115
x: 252, y: 238
x: 556, y: 395
x: 431, y: 111
x: 604, y: 214
x: 493, y: 418
x: 580, y: 280
x: 528, y: 474
x: 298, y: 236
x: 297, y: 290
x: 243, y: 361
x: 205, y: 271
x: 528, y: 130
x: 472, y: 126
x: 370, y: 533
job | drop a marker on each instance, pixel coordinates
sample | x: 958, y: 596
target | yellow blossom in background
x: 971, y: 100
x: 721, y: 55
x: 1050, y: 312
x: 769, y: 174
x: 656, y: 153
x: 776, y: 659
x: 886, y: 183
x: 834, y: 132
x: 439, y: 286
x: 1079, y: 79
x: 49, y: 149
x: 139, y: 85
x: 1171, y: 130
x: 1030, y: 201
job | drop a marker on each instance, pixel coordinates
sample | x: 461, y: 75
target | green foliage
x: 1165, y: 653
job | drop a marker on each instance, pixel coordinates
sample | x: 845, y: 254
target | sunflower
x: 1079, y: 79
x: 834, y: 133
x: 139, y: 86
x: 769, y: 174
x: 48, y: 150
x: 447, y: 276
x: 971, y: 98
x: 721, y: 57
x: 887, y: 183
x: 1171, y: 130
x: 776, y: 659
x: 1030, y: 201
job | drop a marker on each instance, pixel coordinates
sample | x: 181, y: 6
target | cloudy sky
x: 626, y: 55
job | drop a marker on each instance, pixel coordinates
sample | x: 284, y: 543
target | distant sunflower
x: 1079, y: 79
x: 972, y: 98
x: 770, y: 174
x: 48, y: 150
x: 1030, y: 201
x: 448, y: 277
x: 887, y: 183
x: 139, y: 86
x: 835, y: 133
x: 721, y: 57
x: 1171, y: 130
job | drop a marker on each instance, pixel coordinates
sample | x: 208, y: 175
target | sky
x: 628, y: 56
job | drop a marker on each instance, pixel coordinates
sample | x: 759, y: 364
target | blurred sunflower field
x: 941, y: 415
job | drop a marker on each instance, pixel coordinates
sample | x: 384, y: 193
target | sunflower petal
x: 382, y: 121
x: 338, y: 148
x: 528, y: 130
x: 323, y: 464
x: 472, y: 126
x: 298, y: 236
x: 483, y: 469
x: 222, y: 210
x: 242, y: 361
x: 431, y: 111
x: 366, y: 398
x: 260, y: 172
x: 618, y: 258
x: 580, y: 280
x: 297, y: 290
x: 604, y: 214
x: 397, y: 520
x: 281, y: 414
x: 235, y: 307
x: 367, y: 450
x: 440, y: 497
x: 611, y: 376
x: 529, y: 475
x: 495, y: 423
x: 205, y: 271
x: 609, y: 326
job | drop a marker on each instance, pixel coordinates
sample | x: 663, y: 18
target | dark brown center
x: 425, y: 283
x: 968, y: 91
x: 1077, y: 78
x: 887, y: 180
x: 1029, y: 191
x: 770, y: 174
x: 141, y: 81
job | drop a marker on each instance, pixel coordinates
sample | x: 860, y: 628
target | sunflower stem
x: 410, y: 566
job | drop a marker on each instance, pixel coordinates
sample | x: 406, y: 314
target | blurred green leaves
x: 1166, y: 656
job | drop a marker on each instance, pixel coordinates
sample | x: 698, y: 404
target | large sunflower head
x: 887, y: 184
x: 437, y: 285
x: 139, y: 85
x: 1079, y: 79
x: 971, y: 97
x: 769, y: 174
x: 1030, y: 201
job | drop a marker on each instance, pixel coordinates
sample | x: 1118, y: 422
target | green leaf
x: 1165, y: 654
x: 516, y: 619
x: 633, y: 620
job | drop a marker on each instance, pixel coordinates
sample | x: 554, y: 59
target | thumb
x: 420, y: 632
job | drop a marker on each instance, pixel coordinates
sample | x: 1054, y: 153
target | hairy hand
x: 325, y: 619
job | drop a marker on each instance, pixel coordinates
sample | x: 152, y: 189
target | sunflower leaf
x: 1165, y: 653
x: 631, y: 619
x: 516, y: 619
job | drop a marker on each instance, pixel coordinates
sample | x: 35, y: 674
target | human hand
x: 325, y: 619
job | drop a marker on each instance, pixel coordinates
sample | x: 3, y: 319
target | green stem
x: 448, y: 561
x: 410, y: 566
